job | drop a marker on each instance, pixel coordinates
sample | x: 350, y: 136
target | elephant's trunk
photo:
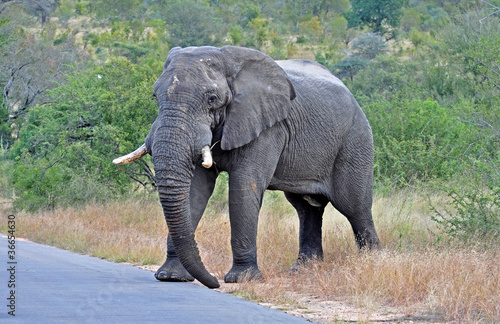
x: 174, y: 169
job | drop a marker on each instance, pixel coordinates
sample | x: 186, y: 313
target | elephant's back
x: 318, y: 90
x: 321, y: 98
x: 304, y: 69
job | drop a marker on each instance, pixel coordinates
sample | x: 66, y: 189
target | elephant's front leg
x: 202, y: 186
x: 245, y: 199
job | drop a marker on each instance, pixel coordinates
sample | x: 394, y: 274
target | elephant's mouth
x: 141, y: 151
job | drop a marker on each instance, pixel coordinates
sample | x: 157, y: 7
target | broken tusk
x: 207, y: 157
x: 131, y: 157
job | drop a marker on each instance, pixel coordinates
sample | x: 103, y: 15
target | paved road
x: 56, y: 286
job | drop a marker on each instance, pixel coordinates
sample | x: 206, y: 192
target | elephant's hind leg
x: 359, y: 215
x: 353, y: 189
x: 310, y: 210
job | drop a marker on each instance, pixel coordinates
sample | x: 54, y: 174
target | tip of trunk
x: 211, y: 283
x: 193, y: 264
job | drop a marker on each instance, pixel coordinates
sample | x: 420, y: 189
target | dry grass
x: 131, y: 231
x: 413, y: 278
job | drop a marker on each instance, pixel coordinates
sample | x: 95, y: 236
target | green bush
x: 35, y: 182
x: 349, y: 66
x: 386, y: 76
x: 369, y: 45
x: 474, y: 208
x: 130, y: 51
x: 416, y: 140
x: 64, y: 151
x: 82, y: 7
x: 220, y: 197
x: 192, y: 23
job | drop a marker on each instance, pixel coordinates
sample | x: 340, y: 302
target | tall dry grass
x: 121, y: 231
x: 414, y: 274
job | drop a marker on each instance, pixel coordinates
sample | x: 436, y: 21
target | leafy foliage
x: 375, y: 13
x: 66, y: 147
x: 30, y: 65
x: 364, y: 47
x: 349, y: 66
x: 474, y: 211
x: 203, y: 27
x: 416, y: 140
x: 369, y: 45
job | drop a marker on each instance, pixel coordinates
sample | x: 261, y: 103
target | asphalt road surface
x: 56, y: 286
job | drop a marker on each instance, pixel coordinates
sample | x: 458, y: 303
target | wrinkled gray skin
x: 279, y: 125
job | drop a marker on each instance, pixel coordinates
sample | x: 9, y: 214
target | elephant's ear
x: 262, y: 95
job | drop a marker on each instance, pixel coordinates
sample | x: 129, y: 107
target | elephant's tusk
x: 207, y: 157
x: 131, y: 157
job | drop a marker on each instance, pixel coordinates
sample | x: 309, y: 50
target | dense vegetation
x: 76, y: 79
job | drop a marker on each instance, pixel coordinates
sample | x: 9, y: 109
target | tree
x: 349, y: 66
x: 64, y: 147
x: 411, y: 19
x: 385, y: 76
x: 42, y: 8
x: 116, y: 10
x: 328, y: 6
x: 299, y: 10
x: 474, y: 41
x: 259, y: 31
x: 375, y: 14
x: 30, y: 64
x: 471, y: 42
x: 369, y: 45
x: 313, y: 28
x: 192, y: 23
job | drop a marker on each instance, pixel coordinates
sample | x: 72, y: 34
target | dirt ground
x: 339, y: 310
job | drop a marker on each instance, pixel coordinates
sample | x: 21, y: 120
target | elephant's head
x: 200, y: 90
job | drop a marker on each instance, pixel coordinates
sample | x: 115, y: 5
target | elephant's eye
x: 212, y: 99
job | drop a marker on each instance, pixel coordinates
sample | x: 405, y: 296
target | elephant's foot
x: 303, y: 260
x: 243, y: 273
x: 173, y: 270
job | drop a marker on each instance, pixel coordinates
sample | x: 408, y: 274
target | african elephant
x: 279, y: 125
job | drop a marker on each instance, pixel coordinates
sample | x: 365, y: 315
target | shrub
x: 349, y: 66
x: 474, y: 208
x: 386, y: 76
x: 369, y: 45
x: 220, y: 198
x: 416, y: 140
x: 64, y: 152
x: 82, y: 7
x: 192, y: 23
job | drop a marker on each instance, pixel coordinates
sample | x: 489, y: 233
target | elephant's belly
x: 304, y: 168
x: 300, y: 183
